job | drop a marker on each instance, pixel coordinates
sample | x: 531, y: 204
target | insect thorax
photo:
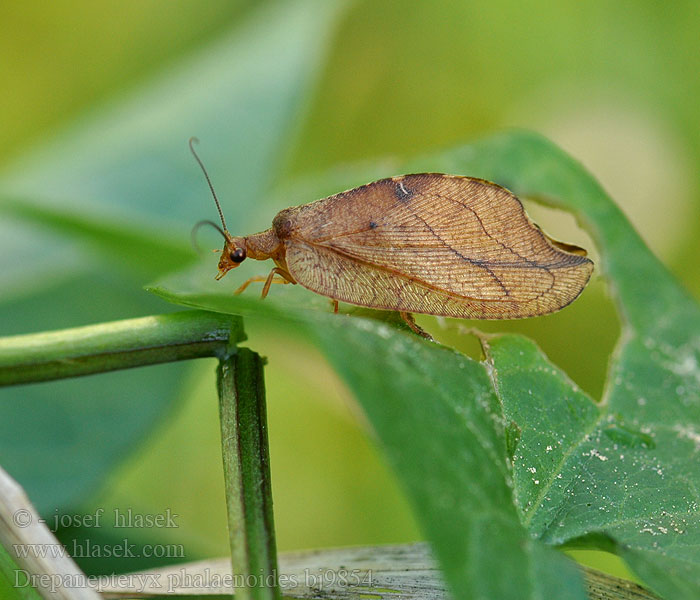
x: 283, y: 223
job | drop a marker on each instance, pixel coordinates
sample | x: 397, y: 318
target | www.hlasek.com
x: 195, y: 582
x: 89, y: 549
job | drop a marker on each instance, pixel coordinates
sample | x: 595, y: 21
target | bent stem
x: 247, y: 476
x: 117, y: 345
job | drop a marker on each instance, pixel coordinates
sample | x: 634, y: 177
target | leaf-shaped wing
x: 434, y: 244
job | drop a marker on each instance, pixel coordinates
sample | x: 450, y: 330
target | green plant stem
x: 117, y: 345
x: 247, y: 476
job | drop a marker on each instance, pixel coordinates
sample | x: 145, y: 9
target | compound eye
x: 238, y: 255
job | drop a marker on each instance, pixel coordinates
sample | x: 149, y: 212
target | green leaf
x: 12, y: 582
x: 94, y: 204
x: 506, y: 458
x: 626, y: 470
x: 440, y: 424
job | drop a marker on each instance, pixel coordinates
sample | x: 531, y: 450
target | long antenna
x: 195, y: 229
x: 211, y: 187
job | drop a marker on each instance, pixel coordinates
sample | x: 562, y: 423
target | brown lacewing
x: 428, y: 243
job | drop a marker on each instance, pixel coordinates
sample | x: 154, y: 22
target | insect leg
x: 268, y: 279
x: 271, y: 279
x: 246, y: 283
x: 335, y: 306
x: 411, y: 322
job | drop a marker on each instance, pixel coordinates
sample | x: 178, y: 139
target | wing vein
x: 406, y: 276
x: 472, y: 261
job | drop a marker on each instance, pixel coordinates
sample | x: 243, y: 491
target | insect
x: 427, y: 243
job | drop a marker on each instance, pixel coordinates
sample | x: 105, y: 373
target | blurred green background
x: 615, y: 84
